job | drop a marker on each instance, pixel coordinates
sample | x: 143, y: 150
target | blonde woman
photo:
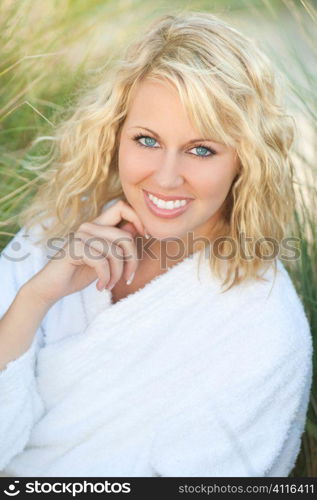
x: 123, y: 350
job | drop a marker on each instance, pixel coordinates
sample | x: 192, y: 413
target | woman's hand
x: 98, y: 249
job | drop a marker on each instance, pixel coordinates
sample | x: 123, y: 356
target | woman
x: 163, y: 373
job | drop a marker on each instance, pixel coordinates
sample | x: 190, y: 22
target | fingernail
x: 147, y: 235
x: 129, y: 281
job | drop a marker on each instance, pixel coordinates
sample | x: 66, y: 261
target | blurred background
x: 51, y: 50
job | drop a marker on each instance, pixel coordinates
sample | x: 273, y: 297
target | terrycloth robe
x: 175, y: 379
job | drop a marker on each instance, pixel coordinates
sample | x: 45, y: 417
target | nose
x: 168, y: 174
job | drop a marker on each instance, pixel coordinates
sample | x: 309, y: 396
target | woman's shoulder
x: 267, y: 317
x: 21, y: 257
x: 283, y: 320
x: 259, y: 334
x: 276, y: 294
x: 285, y: 306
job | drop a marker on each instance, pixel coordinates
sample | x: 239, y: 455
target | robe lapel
x: 127, y: 328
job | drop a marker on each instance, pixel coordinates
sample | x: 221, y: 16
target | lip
x: 168, y: 198
x: 161, y: 212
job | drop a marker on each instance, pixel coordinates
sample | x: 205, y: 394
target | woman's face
x: 169, y: 160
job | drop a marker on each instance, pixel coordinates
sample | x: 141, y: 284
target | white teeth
x: 168, y: 205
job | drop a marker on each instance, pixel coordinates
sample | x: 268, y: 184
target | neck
x: 163, y: 254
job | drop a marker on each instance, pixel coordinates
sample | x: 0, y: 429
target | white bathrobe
x: 175, y: 379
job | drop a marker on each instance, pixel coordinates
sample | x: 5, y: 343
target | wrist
x: 31, y: 296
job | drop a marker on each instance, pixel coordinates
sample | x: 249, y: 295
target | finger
x: 128, y: 226
x: 120, y: 238
x: 100, y: 244
x: 92, y: 259
x: 101, y: 266
x: 113, y: 254
x: 117, y: 265
x: 118, y: 211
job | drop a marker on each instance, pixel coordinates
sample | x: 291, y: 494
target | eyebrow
x: 189, y: 142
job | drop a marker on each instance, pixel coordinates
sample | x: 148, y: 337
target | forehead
x: 157, y: 103
x: 180, y: 110
x: 155, y: 93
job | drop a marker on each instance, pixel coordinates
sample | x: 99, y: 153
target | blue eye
x: 202, y: 150
x: 150, y: 141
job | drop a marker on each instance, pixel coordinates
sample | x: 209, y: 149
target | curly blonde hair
x: 230, y: 92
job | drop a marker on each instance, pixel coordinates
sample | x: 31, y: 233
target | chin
x: 164, y: 235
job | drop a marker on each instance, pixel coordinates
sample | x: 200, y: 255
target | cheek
x: 133, y: 166
x: 212, y: 183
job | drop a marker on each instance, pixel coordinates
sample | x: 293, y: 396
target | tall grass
x: 293, y: 49
x: 49, y: 49
x: 303, y: 84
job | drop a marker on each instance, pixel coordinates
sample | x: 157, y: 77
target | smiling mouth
x: 163, y: 208
x: 167, y: 198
